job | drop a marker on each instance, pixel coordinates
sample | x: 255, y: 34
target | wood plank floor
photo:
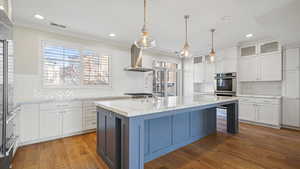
x: 253, y: 148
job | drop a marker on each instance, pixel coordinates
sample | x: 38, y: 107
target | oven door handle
x: 225, y: 78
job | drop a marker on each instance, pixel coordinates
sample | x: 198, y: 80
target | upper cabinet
x: 249, y: 50
x: 260, y: 62
x: 269, y: 47
x: 5, y: 5
x: 292, y: 59
x: 204, y: 70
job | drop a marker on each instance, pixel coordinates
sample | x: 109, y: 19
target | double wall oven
x: 226, y: 84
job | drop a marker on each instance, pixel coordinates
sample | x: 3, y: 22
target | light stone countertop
x: 260, y: 96
x: 138, y: 107
x: 40, y: 101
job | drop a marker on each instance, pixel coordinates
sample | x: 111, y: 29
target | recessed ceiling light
x: 40, y: 17
x: 250, y: 35
x: 112, y: 35
x: 1, y: 7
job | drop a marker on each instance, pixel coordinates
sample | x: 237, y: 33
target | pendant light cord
x: 145, y: 13
x: 186, y: 17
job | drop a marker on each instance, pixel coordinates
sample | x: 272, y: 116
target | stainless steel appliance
x: 226, y: 84
x: 8, y: 138
x: 136, y: 61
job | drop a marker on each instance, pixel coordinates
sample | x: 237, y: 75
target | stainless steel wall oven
x: 225, y: 84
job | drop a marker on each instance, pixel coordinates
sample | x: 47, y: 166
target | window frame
x: 81, y: 48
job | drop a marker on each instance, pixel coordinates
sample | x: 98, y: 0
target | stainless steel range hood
x: 136, y: 61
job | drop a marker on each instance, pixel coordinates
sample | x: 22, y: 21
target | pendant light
x: 145, y: 41
x: 184, y: 53
x: 212, y: 53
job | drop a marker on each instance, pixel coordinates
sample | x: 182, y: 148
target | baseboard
x: 291, y: 127
x: 54, y: 138
x: 261, y: 124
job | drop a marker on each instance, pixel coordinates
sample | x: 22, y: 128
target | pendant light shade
x: 212, y: 53
x: 184, y: 53
x: 145, y: 41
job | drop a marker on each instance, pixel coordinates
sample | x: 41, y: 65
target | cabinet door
x: 72, y: 120
x: 248, y: 69
x: 50, y: 123
x: 199, y: 73
x: 247, y: 111
x: 249, y: 50
x: 29, y: 122
x: 292, y: 83
x: 268, y: 114
x: 271, y: 67
x: 292, y: 61
x: 209, y: 72
x: 291, y: 112
x: 229, y: 65
x: 101, y: 131
x: 269, y: 47
x: 110, y: 138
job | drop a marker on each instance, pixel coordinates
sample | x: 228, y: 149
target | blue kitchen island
x: 131, y: 132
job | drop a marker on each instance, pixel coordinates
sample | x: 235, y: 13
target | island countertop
x: 138, y: 107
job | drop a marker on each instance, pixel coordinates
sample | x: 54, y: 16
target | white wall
x: 28, y: 77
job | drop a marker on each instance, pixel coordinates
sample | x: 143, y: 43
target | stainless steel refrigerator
x: 8, y: 138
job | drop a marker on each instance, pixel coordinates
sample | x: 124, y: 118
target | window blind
x: 61, y: 66
x: 67, y: 67
x: 95, y: 69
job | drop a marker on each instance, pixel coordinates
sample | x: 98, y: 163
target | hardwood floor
x: 254, y: 147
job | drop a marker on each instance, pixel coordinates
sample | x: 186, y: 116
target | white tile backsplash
x: 261, y: 88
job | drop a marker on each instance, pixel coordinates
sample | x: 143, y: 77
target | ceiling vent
x: 58, y: 25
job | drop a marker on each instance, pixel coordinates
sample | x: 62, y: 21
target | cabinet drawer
x: 62, y: 105
x: 268, y: 101
x: 246, y: 100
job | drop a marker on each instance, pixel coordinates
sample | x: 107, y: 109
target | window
x: 95, y: 69
x: 72, y: 67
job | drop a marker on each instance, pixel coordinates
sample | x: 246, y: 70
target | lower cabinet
x: 247, y: 111
x: 29, y: 122
x: 72, y: 121
x: 291, y: 112
x: 107, y: 133
x: 266, y: 111
x: 50, y: 123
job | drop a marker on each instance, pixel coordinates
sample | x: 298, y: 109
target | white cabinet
x: 203, y: 70
x: 248, y: 69
x: 264, y: 64
x: 269, y: 47
x: 292, y: 82
x: 59, y: 119
x: 50, y: 123
x: 29, y: 122
x: 199, y: 69
x: 249, y: 50
x: 265, y: 111
x: 291, y: 100
x: 90, y: 115
x: 247, y: 111
x: 291, y: 112
x: 72, y: 120
x: 270, y: 67
x: 268, y: 113
x: 292, y: 59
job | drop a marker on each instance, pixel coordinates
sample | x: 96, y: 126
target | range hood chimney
x: 136, y: 60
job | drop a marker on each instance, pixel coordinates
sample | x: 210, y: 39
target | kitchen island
x: 134, y: 131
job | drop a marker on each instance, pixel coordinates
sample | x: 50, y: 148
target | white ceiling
x: 264, y: 18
